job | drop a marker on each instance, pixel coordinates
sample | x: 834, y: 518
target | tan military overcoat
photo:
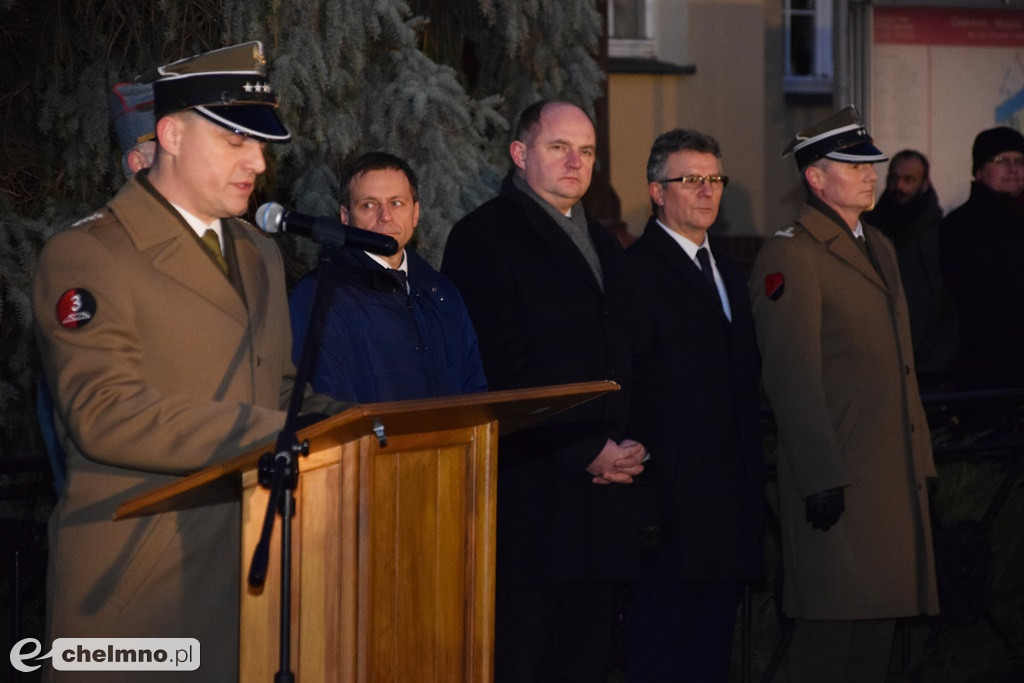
x: 839, y: 374
x: 159, y: 366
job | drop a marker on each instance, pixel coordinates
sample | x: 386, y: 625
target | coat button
x: 907, y: 369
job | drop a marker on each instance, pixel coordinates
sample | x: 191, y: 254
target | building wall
x: 725, y: 97
x: 939, y: 77
x: 736, y: 94
x: 782, y: 119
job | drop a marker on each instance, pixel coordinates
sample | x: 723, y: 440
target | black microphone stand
x: 279, y: 472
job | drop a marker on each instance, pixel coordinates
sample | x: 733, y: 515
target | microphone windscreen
x: 268, y: 217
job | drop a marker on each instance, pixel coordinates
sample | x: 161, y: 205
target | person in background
x: 982, y: 249
x: 131, y: 112
x: 854, y: 449
x: 547, y: 290
x: 394, y: 327
x: 697, y: 407
x: 908, y: 213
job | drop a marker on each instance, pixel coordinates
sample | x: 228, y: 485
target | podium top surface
x: 513, y: 410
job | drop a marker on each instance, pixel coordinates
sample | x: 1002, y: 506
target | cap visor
x: 863, y: 153
x: 256, y: 121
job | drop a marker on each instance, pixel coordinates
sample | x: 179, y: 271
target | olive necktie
x: 212, y: 242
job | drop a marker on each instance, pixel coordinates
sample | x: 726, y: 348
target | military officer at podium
x: 162, y: 322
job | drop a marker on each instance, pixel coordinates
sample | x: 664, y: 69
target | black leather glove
x: 825, y: 507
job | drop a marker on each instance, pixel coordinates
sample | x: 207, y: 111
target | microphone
x: 273, y: 218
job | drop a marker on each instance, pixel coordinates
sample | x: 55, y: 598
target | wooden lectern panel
x: 392, y: 546
x: 396, y: 578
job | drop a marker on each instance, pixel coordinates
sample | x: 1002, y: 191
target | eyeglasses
x: 1009, y: 162
x: 717, y: 182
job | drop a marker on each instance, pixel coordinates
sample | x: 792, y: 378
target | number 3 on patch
x: 75, y: 308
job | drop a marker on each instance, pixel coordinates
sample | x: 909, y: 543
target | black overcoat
x: 542, y: 318
x: 696, y: 406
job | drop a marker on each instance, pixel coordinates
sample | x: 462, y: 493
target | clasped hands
x: 618, y: 463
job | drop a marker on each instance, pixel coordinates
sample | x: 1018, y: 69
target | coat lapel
x: 157, y: 229
x: 840, y: 245
x: 252, y: 269
x: 890, y: 271
x: 679, y: 262
x: 552, y: 234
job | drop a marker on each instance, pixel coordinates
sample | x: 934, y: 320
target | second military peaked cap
x: 228, y: 86
x: 131, y: 110
x: 840, y: 137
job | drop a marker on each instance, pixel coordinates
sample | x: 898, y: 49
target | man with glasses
x: 696, y: 406
x: 854, y: 450
x: 982, y: 249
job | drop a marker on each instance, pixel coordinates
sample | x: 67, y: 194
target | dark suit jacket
x: 696, y: 406
x: 541, y: 318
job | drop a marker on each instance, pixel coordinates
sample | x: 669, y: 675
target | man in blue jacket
x: 394, y: 327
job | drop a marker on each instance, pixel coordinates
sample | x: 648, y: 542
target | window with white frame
x: 631, y: 28
x: 808, y: 48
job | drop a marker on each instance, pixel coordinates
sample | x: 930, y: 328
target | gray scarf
x: 575, y: 226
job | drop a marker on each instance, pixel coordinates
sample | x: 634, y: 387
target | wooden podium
x: 392, y: 543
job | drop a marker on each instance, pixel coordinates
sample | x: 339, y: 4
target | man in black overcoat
x: 696, y: 406
x: 547, y: 293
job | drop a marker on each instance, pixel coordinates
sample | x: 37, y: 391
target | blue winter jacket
x: 381, y: 344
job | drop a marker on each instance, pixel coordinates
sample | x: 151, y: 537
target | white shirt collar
x: 687, y: 244
x: 691, y: 249
x: 403, y: 266
x: 199, y: 227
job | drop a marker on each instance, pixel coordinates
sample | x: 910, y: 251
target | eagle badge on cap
x: 229, y: 87
x: 840, y: 137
